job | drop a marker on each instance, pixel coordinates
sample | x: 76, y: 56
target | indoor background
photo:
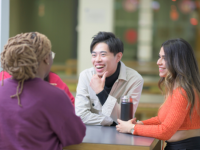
x: 142, y: 25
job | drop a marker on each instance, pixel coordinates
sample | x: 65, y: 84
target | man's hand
x: 97, y: 83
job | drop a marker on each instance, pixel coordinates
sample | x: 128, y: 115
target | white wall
x: 4, y: 23
x: 93, y: 16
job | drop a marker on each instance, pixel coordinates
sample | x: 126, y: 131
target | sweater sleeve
x: 172, y: 122
x: 103, y: 95
x: 152, y: 121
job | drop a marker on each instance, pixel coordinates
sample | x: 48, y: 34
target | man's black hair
x: 115, y: 45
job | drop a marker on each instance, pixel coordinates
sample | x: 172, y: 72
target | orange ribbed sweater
x: 174, y: 115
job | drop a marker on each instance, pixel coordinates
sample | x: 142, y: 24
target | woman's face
x: 162, y: 63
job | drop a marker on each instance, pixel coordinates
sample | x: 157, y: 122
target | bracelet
x: 132, y: 129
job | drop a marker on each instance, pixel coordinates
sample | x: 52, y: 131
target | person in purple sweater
x: 34, y: 115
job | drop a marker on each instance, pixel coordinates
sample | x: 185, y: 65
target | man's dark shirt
x: 103, y: 95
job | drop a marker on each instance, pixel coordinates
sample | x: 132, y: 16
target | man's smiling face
x: 103, y: 60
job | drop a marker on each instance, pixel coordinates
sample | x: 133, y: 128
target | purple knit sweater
x: 46, y: 120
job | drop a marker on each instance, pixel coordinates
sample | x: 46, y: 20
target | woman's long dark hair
x: 182, y: 68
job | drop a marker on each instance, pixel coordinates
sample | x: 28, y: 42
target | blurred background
x: 142, y: 25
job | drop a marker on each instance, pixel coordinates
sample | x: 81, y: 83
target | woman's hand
x: 133, y: 121
x: 125, y: 126
x: 140, y: 122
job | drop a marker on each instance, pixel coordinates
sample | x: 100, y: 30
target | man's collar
x: 122, y: 73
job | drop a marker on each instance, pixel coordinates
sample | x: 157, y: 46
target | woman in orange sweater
x: 178, y: 120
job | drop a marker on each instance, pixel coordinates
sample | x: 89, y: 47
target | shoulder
x: 6, y: 75
x: 54, y: 94
x: 132, y: 74
x: 53, y: 77
x: 52, y: 97
x: 87, y: 73
x: 50, y: 90
x: 55, y: 80
x: 179, y: 95
x: 179, y: 91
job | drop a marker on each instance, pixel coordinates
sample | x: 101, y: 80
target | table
x: 105, y: 137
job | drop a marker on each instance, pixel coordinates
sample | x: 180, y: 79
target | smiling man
x: 99, y: 88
